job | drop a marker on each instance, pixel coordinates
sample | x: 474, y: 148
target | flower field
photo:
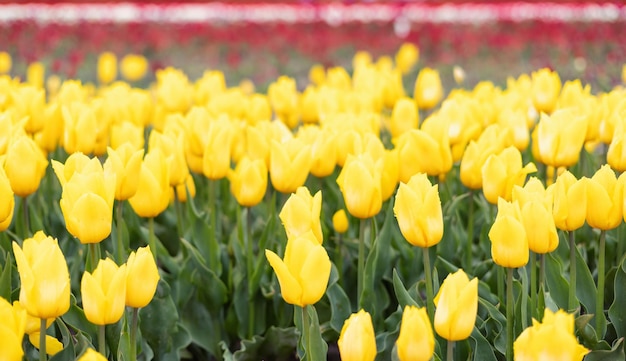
x: 311, y: 186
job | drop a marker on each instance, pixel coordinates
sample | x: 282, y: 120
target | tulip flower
x: 503, y: 171
x: 492, y: 141
x: 125, y: 163
x: 552, y: 339
x: 217, y: 151
x: 33, y: 330
x: 107, y: 67
x: 560, y: 137
x: 48, y: 137
x: 25, y: 165
x: 424, y: 151
x: 7, y: 199
x: 44, y: 277
x: 418, y: 210
x: 5, y: 62
x: 357, y: 341
x: 92, y: 355
x: 248, y: 182
x: 536, y: 211
x: 406, y: 57
x: 133, y: 67
x: 509, y: 243
x: 127, y: 132
x: 172, y: 146
x: 546, y: 86
x: 283, y: 97
x: 29, y: 101
x: 570, y: 202
x: 604, y: 199
x: 428, y: 89
x: 35, y: 74
x: 290, y: 163
x: 152, y: 195
x: 142, y: 278
x: 360, y: 185
x: 340, y: 221
x: 456, y: 306
x: 304, y: 271
x: 173, y: 90
x: 104, y: 292
x: 324, y: 153
x: 388, y: 165
x: 301, y: 213
x: 616, y: 154
x: 416, y: 341
x: 403, y: 117
x: 79, y: 122
x: 12, y: 330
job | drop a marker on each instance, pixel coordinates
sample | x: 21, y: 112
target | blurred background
x: 258, y: 41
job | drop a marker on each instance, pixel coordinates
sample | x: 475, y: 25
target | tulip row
x: 223, y: 166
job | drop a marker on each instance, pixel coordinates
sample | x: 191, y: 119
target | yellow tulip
x: 5, y: 62
x: 536, y: 210
x: 605, y: 200
x: 492, y: 141
x: 509, y: 243
x: 107, y: 67
x: 208, y: 86
x: 360, y: 184
x: 125, y: 163
x: 416, y: 341
x: 406, y: 57
x: 29, y: 101
x: 503, y: 171
x: 87, y: 201
x: 53, y: 345
x: 388, y: 166
x: 173, y: 91
x: 570, y: 202
x: 78, y: 131
x: 418, y: 210
x: 152, y: 195
x: 48, y: 137
x: 248, y: 182
x: 304, y: 272
x: 133, y: 67
x: 428, y: 89
x: 403, y: 117
x: 290, y: 163
x: 92, y: 355
x: 33, y: 324
x: 12, y: 330
x: 357, y: 341
x: 7, y: 203
x: 217, y: 151
x: 172, y: 146
x: 616, y: 154
x: 142, y: 278
x: 104, y: 293
x: 420, y: 152
x: 35, y: 74
x: 283, y: 97
x: 324, y: 153
x: 301, y: 213
x: 127, y: 132
x: 560, y: 137
x: 340, y: 221
x: 546, y: 87
x: 456, y: 306
x: 553, y: 339
x: 44, y: 277
x: 25, y: 165
x: 182, y: 189
x: 317, y: 74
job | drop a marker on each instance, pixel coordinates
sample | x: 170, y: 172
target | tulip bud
x: 357, y: 341
x: 570, y: 202
x: 44, y: 277
x: 217, y: 151
x: 403, y: 117
x: 616, y: 154
x: 133, y: 67
x: 301, y: 213
x: 428, y: 89
x: 104, y: 293
x: 248, y: 182
x: 142, y: 278
x: 340, y: 221
x: 25, y: 165
x: 605, y: 200
x: 406, y: 57
x: 502, y: 171
x: 509, y: 243
x: 35, y: 74
x: 107, y: 67
x: 290, y: 163
x: 560, y: 137
x: 360, y: 184
x: 536, y: 211
x: 283, y: 97
x: 416, y: 341
x: 546, y: 86
x: 304, y: 271
x: 456, y: 306
x: 423, y: 151
x: 125, y: 163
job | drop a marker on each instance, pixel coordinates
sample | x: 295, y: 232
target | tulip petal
x: 314, y: 274
x: 289, y: 286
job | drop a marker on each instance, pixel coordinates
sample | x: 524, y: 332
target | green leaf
x: 68, y: 352
x: 402, y: 295
x: 481, y: 347
x: 318, y: 349
x: 197, y: 319
x: 5, y: 278
x: 617, y: 311
x: 585, y: 286
x: 339, y: 304
x: 494, y: 324
x: 616, y: 353
x: 556, y: 283
x: 199, y: 234
x: 123, y: 347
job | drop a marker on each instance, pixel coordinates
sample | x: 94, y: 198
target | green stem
x: 121, y: 250
x: 94, y: 254
x: 152, y: 238
x: 572, y: 303
x: 102, y: 347
x: 306, y: 339
x: 212, y: 210
x: 249, y: 268
x: 339, y: 258
x: 133, y: 334
x: 42, y: 340
x: 430, y: 307
x: 25, y: 218
x: 450, y: 351
x: 500, y: 283
x: 361, y: 261
x: 470, y: 234
x: 179, y: 214
x: 542, y: 281
x: 600, y: 291
x: 620, y: 245
x: 533, y: 285
x: 509, y: 314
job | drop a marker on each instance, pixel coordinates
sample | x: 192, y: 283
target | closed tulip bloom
x: 29, y: 101
x: 428, y: 89
x: 340, y: 221
x: 509, y: 243
x: 560, y: 137
x: 173, y: 90
x: 290, y: 163
x: 79, y: 123
x: 172, y: 146
x: 44, y: 277
x: 324, y: 154
x: 127, y: 132
x: 152, y: 195
x: 570, y: 202
x: 33, y: 327
x: 416, y: 341
x: 536, y: 209
x: 546, y: 87
x: 456, y: 306
x: 87, y: 203
x: 7, y: 199
x: 33, y: 324
x: 418, y: 211
x: 491, y: 141
x: 92, y: 355
x: 48, y: 137
x: 301, y: 213
x: 5, y: 62
x: 107, y: 67
x: 605, y: 200
x: 406, y: 57
x: 142, y: 278
x: 35, y: 74
x: 419, y: 152
x: 283, y: 97
x: 388, y: 166
x: 304, y: 271
x: 357, y: 341
x: 11, y: 331
x: 125, y: 163
x: 217, y: 151
x: 104, y: 293
x: 25, y: 165
x: 248, y: 182
x: 503, y: 171
x: 133, y: 67
x: 616, y: 154
x: 359, y: 182
x: 552, y: 339
x: 403, y: 117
